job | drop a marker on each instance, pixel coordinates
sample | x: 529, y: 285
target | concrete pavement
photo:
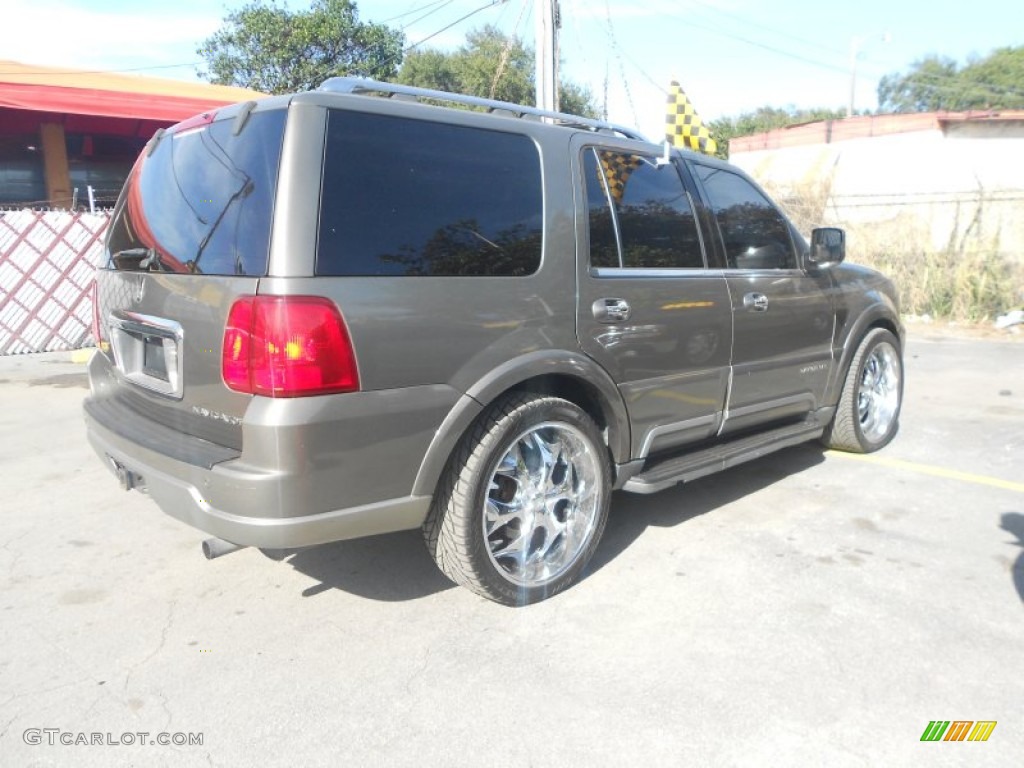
x: 807, y: 608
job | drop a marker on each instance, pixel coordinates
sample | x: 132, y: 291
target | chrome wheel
x: 543, y: 504
x: 878, y: 393
x: 523, y: 503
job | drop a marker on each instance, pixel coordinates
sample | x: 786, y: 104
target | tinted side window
x: 604, y: 244
x: 409, y: 197
x: 755, y: 233
x: 647, y: 206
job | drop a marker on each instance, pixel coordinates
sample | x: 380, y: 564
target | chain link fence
x: 47, y: 268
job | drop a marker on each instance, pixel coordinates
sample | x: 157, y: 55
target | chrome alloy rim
x: 878, y: 397
x: 542, y: 504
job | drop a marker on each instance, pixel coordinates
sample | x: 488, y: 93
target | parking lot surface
x: 806, y: 608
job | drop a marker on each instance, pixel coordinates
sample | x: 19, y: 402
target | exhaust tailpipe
x: 213, y: 548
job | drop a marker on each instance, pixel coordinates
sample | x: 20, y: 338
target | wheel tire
x: 523, y: 502
x: 867, y: 417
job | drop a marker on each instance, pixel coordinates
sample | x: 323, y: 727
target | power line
x: 765, y: 27
x: 506, y: 49
x: 618, y: 54
x: 411, y: 11
x: 941, y: 83
x: 418, y: 19
x: 454, y: 23
x: 765, y: 46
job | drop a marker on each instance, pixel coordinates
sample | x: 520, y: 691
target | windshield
x: 202, y: 201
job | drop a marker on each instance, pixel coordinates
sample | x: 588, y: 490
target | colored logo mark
x: 958, y: 730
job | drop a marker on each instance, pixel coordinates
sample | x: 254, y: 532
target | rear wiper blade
x: 149, y: 258
x: 127, y: 254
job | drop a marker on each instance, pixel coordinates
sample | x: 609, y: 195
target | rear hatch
x: 190, y: 234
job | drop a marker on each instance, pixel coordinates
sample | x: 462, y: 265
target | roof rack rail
x: 359, y: 85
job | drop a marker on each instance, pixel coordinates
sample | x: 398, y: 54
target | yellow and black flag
x: 683, y: 126
x: 618, y: 168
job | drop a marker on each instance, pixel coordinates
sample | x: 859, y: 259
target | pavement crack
x: 166, y: 709
x: 419, y: 672
x: 15, y: 555
x: 7, y: 727
x: 160, y: 646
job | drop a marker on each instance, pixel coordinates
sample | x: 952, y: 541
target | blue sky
x: 731, y: 56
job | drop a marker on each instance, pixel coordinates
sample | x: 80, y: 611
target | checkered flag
x: 683, y: 126
x: 617, y: 170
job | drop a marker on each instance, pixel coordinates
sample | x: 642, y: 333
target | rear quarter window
x: 418, y: 198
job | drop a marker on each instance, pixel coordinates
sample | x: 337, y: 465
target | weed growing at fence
x: 966, y: 287
x: 968, y: 281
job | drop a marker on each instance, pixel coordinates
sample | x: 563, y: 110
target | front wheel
x: 867, y: 416
x: 523, y: 502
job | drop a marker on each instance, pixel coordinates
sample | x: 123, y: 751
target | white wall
x: 911, y: 191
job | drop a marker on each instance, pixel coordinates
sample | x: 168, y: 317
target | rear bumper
x: 178, y: 489
x: 310, y: 470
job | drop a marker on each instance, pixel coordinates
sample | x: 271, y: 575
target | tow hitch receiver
x: 127, y: 479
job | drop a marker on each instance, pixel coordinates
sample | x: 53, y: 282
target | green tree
x: 266, y: 47
x: 764, y: 119
x: 939, y: 83
x: 490, y: 64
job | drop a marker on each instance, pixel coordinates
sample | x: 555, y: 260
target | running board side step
x: 690, y: 466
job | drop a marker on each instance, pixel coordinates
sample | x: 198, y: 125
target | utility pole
x: 548, y: 21
x: 856, y: 51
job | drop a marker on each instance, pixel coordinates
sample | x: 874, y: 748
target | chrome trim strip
x: 636, y: 272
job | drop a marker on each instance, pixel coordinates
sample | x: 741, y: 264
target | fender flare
x: 882, y: 312
x: 548, y: 362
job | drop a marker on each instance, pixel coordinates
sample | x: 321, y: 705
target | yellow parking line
x: 930, y: 469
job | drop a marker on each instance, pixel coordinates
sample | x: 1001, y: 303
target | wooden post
x: 55, y: 165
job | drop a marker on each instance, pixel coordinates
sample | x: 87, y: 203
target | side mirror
x: 828, y: 247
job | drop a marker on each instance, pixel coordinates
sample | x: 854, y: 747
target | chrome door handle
x: 756, y: 302
x: 611, y: 310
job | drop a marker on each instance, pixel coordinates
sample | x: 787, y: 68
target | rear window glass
x: 405, y: 197
x: 202, y: 202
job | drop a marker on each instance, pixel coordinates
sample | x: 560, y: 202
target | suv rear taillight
x: 287, y: 346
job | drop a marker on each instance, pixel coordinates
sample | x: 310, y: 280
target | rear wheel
x: 523, y: 502
x: 867, y: 416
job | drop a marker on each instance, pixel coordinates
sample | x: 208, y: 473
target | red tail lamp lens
x: 288, y: 346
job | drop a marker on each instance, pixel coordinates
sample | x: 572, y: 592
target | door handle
x: 611, y: 310
x: 755, y: 302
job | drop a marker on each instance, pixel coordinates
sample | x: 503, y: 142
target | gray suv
x: 373, y: 308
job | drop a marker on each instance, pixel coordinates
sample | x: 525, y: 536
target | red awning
x: 87, y: 101
x: 48, y: 89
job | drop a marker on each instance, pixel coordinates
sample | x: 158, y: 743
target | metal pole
x: 546, y: 77
x: 854, y: 51
x: 856, y: 44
